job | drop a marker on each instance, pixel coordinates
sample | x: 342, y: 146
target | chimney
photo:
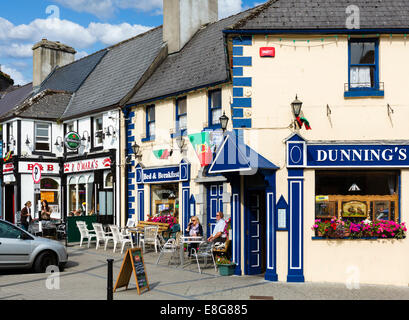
x: 183, y: 18
x: 46, y: 56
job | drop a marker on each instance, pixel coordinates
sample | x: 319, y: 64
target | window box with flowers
x: 366, y: 229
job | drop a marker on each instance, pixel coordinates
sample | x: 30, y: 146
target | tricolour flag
x: 201, y: 144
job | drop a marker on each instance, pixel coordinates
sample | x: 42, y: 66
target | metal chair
x: 205, y: 250
x: 85, y: 233
x: 119, y: 237
x: 150, y: 236
x: 101, y: 235
x: 171, y: 246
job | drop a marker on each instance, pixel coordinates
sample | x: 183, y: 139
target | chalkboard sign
x: 133, y: 262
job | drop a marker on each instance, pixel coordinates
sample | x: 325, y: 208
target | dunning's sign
x: 357, y: 155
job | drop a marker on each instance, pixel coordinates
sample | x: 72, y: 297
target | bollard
x: 110, y: 294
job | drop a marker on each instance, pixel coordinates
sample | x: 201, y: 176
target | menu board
x: 133, y: 262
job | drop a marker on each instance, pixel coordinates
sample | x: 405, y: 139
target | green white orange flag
x: 162, y: 153
x: 201, y: 144
x: 302, y: 120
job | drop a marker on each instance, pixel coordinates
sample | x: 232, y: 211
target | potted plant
x: 225, y: 266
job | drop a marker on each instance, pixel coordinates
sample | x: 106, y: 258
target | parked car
x: 20, y: 249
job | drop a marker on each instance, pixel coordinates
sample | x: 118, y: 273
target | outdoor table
x: 138, y: 232
x: 187, y: 240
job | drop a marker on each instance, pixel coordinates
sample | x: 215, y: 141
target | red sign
x: 8, y: 167
x: 36, y: 173
x: 267, y: 52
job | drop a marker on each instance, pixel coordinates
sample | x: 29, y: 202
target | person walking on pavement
x: 26, y: 215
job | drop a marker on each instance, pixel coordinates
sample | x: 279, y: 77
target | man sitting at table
x: 218, y: 229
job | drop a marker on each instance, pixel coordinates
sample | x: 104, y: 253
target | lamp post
x: 296, y: 106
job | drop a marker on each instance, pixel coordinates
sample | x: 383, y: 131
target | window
x: 98, y: 131
x: 42, y: 136
x: 9, y: 232
x: 357, y: 195
x: 150, y: 123
x: 70, y: 127
x: 165, y: 200
x: 181, y: 115
x: 363, y: 68
x: 10, y: 142
x: 215, y: 107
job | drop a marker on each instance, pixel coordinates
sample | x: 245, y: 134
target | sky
x: 85, y: 25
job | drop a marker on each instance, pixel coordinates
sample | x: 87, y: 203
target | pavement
x: 85, y: 278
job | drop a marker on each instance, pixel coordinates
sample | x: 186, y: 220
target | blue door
x: 254, y: 233
x: 214, y: 204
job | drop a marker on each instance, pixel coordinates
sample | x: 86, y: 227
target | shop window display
x: 165, y: 200
x: 357, y: 195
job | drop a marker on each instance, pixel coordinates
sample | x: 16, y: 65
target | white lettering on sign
x: 87, y: 165
x: 366, y: 155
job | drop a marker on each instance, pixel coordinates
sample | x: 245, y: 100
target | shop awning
x: 234, y: 155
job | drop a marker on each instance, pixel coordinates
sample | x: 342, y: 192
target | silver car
x: 19, y: 249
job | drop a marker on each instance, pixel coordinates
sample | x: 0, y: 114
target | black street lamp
x: 224, y: 120
x: 296, y: 106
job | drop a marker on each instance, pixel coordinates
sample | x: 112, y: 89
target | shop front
x: 360, y: 184
x: 164, y: 191
x: 19, y: 187
x: 252, y: 180
x: 91, y: 188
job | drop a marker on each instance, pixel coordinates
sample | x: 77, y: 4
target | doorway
x: 214, y: 205
x: 255, y: 231
x: 9, y: 203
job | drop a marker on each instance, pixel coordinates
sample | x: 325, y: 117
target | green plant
x: 223, y: 260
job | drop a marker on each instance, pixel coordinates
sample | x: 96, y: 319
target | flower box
x: 226, y: 269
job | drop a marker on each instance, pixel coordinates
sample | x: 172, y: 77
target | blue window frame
x: 150, y: 123
x: 363, y: 68
x: 215, y: 108
x: 181, y: 115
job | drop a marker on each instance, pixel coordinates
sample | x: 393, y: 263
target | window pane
x: 152, y: 129
x: 362, y: 52
x: 216, y: 99
x: 183, y: 122
x: 362, y: 77
x: 9, y: 232
x: 216, y: 114
x: 151, y: 113
x: 98, y: 124
x: 182, y: 106
x: 42, y: 146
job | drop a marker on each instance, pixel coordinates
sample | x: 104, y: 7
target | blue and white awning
x: 234, y: 155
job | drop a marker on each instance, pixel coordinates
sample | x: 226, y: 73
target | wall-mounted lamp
x: 136, y: 149
x: 296, y: 106
x: 390, y: 110
x: 181, y: 143
x: 59, y: 142
x: 85, y: 137
x: 27, y: 141
x: 329, y: 111
x: 224, y: 120
x: 110, y: 131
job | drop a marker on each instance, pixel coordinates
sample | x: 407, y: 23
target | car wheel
x: 44, y: 260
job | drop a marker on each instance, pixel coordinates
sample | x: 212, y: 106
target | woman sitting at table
x: 194, y: 229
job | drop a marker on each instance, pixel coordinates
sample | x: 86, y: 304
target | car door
x: 15, y: 245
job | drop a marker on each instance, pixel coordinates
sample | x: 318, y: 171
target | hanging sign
x: 8, y: 168
x: 36, y: 173
x: 72, y: 141
x: 133, y: 262
x: 267, y: 52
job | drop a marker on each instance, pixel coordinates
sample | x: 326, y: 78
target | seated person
x: 194, y: 229
x: 218, y: 229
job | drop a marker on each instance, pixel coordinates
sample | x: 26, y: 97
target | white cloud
x: 100, y: 8
x: 17, y: 76
x: 110, y: 34
x: 16, y: 50
x: 229, y: 7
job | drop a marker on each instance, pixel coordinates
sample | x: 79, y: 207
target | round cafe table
x: 187, y: 240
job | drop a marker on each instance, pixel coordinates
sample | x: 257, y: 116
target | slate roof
x: 15, y: 97
x: 47, y: 105
x: 200, y: 63
x: 116, y: 74
x: 70, y: 77
x: 327, y: 14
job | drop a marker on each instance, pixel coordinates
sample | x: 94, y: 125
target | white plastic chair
x: 129, y: 224
x: 119, y: 237
x: 205, y: 250
x: 85, y: 233
x: 101, y: 235
x: 150, y: 236
x: 171, y: 246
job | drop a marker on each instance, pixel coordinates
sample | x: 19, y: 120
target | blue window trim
x: 149, y: 137
x: 210, y: 109
x: 179, y: 131
x: 364, y: 92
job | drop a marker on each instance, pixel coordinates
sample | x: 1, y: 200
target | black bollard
x: 110, y: 293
